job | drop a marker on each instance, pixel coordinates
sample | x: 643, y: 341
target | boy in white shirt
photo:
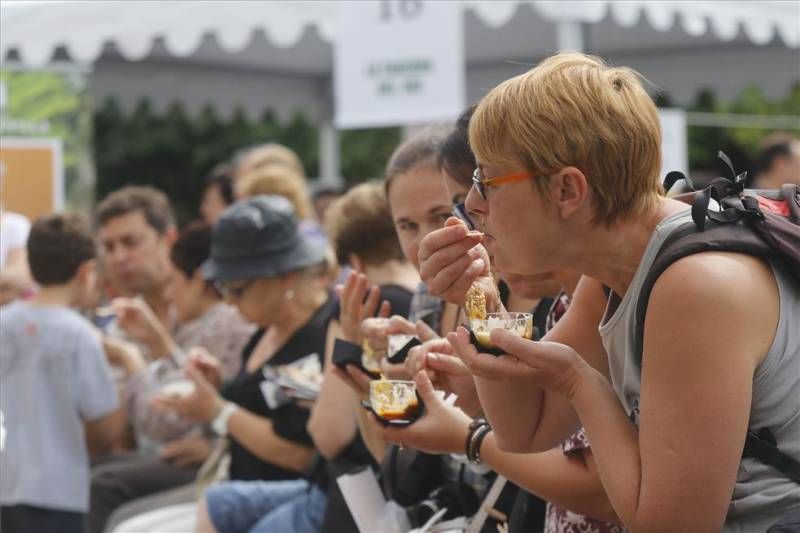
x: 54, y: 378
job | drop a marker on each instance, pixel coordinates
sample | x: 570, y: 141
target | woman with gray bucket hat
x: 276, y: 277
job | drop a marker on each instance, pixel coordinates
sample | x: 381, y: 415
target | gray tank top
x: 762, y: 494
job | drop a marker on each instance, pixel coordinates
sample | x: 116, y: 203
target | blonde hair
x: 280, y: 180
x: 360, y: 223
x: 574, y: 110
x: 267, y: 155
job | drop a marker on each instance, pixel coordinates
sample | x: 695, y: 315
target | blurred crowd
x: 157, y: 378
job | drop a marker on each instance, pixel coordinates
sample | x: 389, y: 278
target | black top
x: 399, y: 298
x: 289, y: 421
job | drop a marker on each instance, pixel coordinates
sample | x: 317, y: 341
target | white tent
x: 278, y: 54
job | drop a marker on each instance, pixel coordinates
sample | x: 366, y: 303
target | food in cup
x: 521, y: 324
x: 178, y: 388
x: 394, y: 400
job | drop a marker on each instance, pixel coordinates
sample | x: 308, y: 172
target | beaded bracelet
x: 478, y: 430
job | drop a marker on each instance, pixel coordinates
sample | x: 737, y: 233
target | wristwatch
x: 220, y: 423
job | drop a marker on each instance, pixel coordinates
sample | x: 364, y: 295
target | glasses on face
x: 482, y: 183
x: 234, y: 292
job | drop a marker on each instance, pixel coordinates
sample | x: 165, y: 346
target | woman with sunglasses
x: 272, y: 273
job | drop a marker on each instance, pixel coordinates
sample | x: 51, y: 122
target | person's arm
x: 369, y: 434
x: 702, y: 344
x: 570, y: 481
x: 332, y: 424
x: 105, y: 419
x: 540, y: 418
x: 103, y: 433
x: 257, y: 434
x: 139, y: 321
x: 358, y: 382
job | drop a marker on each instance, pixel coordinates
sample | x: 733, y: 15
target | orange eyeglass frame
x: 481, y: 184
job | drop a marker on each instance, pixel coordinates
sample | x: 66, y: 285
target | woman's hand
x: 375, y: 334
x: 375, y: 331
x: 187, y: 451
x: 451, y: 259
x: 358, y: 303
x: 206, y: 364
x: 123, y: 354
x: 441, y: 429
x: 136, y: 319
x: 202, y: 405
x: 447, y: 372
x: 546, y: 365
x: 416, y: 359
x: 453, y: 376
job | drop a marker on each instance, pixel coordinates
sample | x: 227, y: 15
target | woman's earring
x: 289, y: 294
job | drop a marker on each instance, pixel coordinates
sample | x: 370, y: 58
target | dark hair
x: 421, y: 149
x: 221, y: 177
x: 192, y: 247
x: 57, y: 246
x: 776, y: 146
x: 455, y: 156
x: 151, y: 202
x: 360, y: 223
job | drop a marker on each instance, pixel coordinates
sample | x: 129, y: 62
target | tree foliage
x: 742, y: 144
x: 174, y: 150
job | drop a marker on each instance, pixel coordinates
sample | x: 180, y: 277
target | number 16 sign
x: 398, y: 62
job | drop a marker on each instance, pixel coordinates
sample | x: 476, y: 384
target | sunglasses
x: 233, y: 292
x: 481, y: 183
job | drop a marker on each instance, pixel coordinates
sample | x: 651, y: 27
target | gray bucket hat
x: 258, y: 238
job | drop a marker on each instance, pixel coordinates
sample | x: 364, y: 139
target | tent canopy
x: 257, y: 34
x: 279, y: 54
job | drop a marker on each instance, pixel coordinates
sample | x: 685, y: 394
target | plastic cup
x: 394, y: 399
x: 520, y: 324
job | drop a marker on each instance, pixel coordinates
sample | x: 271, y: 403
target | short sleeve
x: 97, y: 393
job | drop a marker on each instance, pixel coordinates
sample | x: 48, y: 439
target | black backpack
x: 762, y: 223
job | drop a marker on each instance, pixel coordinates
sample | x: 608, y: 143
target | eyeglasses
x: 233, y: 292
x: 482, y: 183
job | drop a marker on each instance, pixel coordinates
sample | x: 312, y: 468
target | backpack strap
x: 688, y: 240
x: 762, y: 446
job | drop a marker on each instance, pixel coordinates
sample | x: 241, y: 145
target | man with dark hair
x: 136, y: 232
x: 53, y: 378
x: 778, y: 162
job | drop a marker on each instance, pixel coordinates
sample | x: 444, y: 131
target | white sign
x: 398, y: 62
x: 674, y: 150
